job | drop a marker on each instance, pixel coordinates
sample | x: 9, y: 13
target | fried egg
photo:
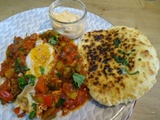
x: 41, y: 56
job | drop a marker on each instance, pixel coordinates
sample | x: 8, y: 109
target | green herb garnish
x: 124, y: 53
x: 139, y: 59
x: 54, y: 40
x: 77, y: 57
x: 31, y: 79
x: 117, y: 42
x: 60, y: 102
x: 42, y: 70
x: 125, y: 71
x: 34, y: 105
x: 121, y: 60
x: 21, y: 49
x: 19, y: 67
x: 78, y: 79
x: 33, y: 113
x: 59, y: 74
x: 133, y: 50
x: 22, y: 83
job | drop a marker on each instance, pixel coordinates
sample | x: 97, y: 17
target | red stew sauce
x: 53, y: 92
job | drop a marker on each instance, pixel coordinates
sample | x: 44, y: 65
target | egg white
x: 41, y: 58
x: 24, y: 99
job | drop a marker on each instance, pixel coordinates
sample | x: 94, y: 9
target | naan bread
x: 121, y: 64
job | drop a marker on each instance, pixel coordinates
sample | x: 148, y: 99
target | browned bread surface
x: 121, y: 64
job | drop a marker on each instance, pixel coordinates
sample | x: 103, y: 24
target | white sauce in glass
x: 73, y: 30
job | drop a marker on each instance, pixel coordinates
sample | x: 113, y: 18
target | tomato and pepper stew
x: 43, y: 74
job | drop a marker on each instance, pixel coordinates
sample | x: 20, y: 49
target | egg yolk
x: 40, y: 54
x: 40, y: 57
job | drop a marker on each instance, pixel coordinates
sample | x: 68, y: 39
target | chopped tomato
x: 54, y: 91
x: 39, y: 98
x: 48, y: 99
x: 70, y: 104
x: 6, y: 96
x: 72, y: 45
x: 69, y: 59
x: 34, y: 36
x: 5, y: 93
x: 73, y: 55
x: 17, y: 110
x: 21, y: 115
x: 23, y: 58
x: 64, y: 38
x: 5, y: 85
x: 41, y: 85
x: 82, y: 96
x: 4, y: 68
x: 70, y: 53
x: 67, y: 49
x: 28, y: 44
x: 68, y: 88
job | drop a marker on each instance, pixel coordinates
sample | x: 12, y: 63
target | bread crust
x: 121, y: 64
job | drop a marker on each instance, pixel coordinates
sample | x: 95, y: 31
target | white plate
x: 36, y: 20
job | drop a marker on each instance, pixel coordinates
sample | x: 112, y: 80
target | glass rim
x: 81, y: 18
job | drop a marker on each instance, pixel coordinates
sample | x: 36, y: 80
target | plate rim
x: 35, y: 9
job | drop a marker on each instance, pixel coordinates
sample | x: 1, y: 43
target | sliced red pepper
x: 6, y: 96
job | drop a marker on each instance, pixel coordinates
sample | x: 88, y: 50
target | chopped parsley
x: 121, y: 60
x: 19, y: 68
x: 34, y: 105
x: 125, y: 71
x: 60, y: 102
x: 31, y: 79
x: 42, y: 70
x: 78, y: 79
x: 124, y: 61
x: 22, y: 81
x: 33, y: 113
x: 54, y: 40
x: 139, y: 59
x: 117, y: 42
x: 124, y: 53
x: 59, y: 74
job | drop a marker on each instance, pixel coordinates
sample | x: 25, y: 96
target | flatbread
x: 121, y: 64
